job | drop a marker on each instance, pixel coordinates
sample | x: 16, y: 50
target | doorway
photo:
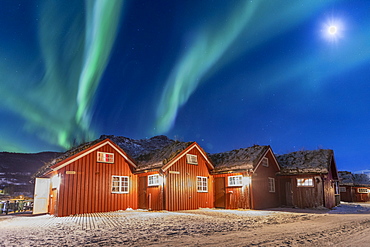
x: 143, y: 204
x: 220, y: 195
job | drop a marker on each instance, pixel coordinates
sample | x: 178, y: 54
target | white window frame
x: 362, y: 190
x: 153, y: 180
x: 202, y: 184
x: 265, y: 162
x: 234, y: 181
x: 305, y: 182
x: 192, y: 159
x: 105, y: 157
x: 271, y: 182
x: 342, y: 189
x: 123, y: 184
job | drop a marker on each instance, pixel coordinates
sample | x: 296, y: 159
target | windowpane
x: 105, y: 157
x: 305, y: 182
x: 153, y: 180
x: 202, y: 184
x: 192, y: 159
x: 120, y: 184
x: 235, y: 180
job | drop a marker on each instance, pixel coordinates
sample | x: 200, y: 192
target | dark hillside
x: 21, y: 162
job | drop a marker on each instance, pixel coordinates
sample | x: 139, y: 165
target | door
x: 41, y: 197
x: 288, y: 194
x: 53, y: 202
x: 143, y: 204
x: 220, y: 196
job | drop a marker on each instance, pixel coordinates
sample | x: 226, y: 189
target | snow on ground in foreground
x: 139, y: 226
x: 133, y: 227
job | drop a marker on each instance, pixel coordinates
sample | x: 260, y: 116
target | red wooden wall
x: 150, y: 197
x: 181, y: 184
x: 305, y: 197
x: 261, y: 198
x: 329, y: 191
x: 89, y: 189
x: 232, y: 197
x: 361, y: 197
x: 348, y: 195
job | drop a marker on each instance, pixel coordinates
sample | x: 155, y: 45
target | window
x: 362, y: 190
x: 192, y: 159
x: 235, y: 180
x: 119, y: 184
x: 271, y: 184
x: 265, y: 162
x: 305, y: 182
x: 202, y: 184
x: 153, y: 180
x: 342, y: 189
x: 105, y: 157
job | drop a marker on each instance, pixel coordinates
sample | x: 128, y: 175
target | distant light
x: 332, y: 30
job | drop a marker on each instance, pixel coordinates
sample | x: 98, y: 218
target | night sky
x: 226, y: 74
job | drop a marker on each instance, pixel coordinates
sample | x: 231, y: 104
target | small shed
x: 246, y: 178
x: 175, y: 177
x: 94, y: 177
x: 309, y: 179
x: 354, y: 187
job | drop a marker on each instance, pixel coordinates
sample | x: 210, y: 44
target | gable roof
x: 158, y: 158
x: 158, y: 152
x: 136, y: 148
x: 78, y: 152
x: 301, y: 162
x: 167, y: 156
x: 239, y: 159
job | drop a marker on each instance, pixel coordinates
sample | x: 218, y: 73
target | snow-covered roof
x: 238, y: 159
x: 300, y: 162
x: 160, y: 157
x: 150, y: 153
x: 47, y: 166
x: 136, y: 148
x: 147, y: 153
x: 347, y: 178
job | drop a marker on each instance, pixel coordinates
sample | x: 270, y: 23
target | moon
x: 332, y: 30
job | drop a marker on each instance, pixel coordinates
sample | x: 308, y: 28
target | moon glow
x: 332, y: 30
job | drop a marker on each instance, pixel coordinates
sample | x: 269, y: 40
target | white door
x: 41, y: 197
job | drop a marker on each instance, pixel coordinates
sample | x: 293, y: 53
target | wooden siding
x: 361, y: 197
x: 234, y: 196
x: 181, y: 184
x: 304, y: 197
x: 261, y: 197
x: 329, y: 191
x: 150, y: 197
x: 348, y: 195
x: 88, y: 190
x: 352, y: 195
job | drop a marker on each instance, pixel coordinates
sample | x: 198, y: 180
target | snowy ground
x: 346, y: 225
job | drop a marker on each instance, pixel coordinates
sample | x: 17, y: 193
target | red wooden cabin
x: 309, y: 179
x: 354, y: 187
x: 246, y: 178
x: 175, y: 177
x: 94, y: 177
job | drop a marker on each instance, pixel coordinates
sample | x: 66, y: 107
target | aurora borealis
x: 226, y: 74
